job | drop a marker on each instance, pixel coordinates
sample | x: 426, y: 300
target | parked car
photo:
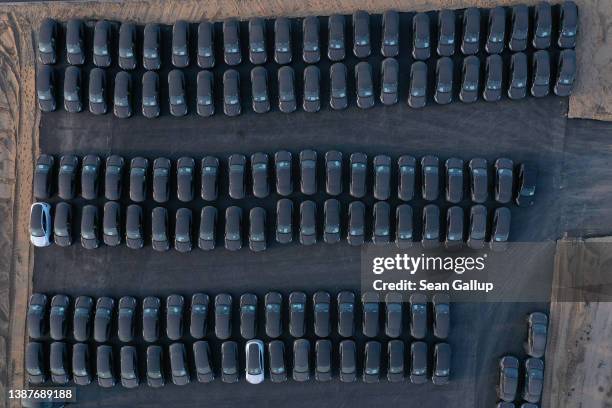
x: 301, y: 360
x: 75, y: 36
x: 478, y: 227
x: 418, y: 356
x: 203, y: 361
x: 441, y: 309
x: 183, y: 230
x: 233, y: 228
x: 323, y: 360
x: 273, y: 310
x: 161, y: 179
x: 534, y: 380
x: 128, y: 358
x: 470, y: 78
x: 542, y: 25
x: 101, y: 44
x: 381, y: 230
x: 223, y: 316
x: 504, y: 180
x: 229, y: 362
x: 287, y: 102
x: 417, y: 97
x: 175, y: 306
x: 276, y: 361
x: 127, y: 46
x: 333, y: 172
x: 566, y: 73
x: 370, y: 303
x: 113, y: 177
x: 257, y: 229
x: 508, y: 378
x: 284, y: 221
x: 404, y: 226
x: 348, y: 361
x: 364, y: 85
x: 151, y: 309
x: 389, y: 78
x: 126, y: 319
x: 519, y: 31
x: 322, y: 313
x: 356, y: 223
x: 346, y: 313
x: 180, y: 44
x: 81, y: 371
x: 537, y: 333
x: 393, y: 314
x: 471, y: 31
x: 90, y: 235
x: 254, y: 370
x: 282, y: 40
x: 406, y: 179
x: 395, y: 361
x: 47, y: 42
x: 308, y: 172
x: 308, y: 223
x: 311, y: 54
x: 73, y: 90
x: 331, y: 215
x: 185, y: 170
x: 34, y: 357
x: 442, y: 364
x: 540, y: 77
x: 105, y: 366
x: 36, y: 316
x: 371, y: 362
x: 421, y: 40
x: 151, y: 53
x: 390, y: 34
x: 431, y: 227
x: 198, y: 320
x: 527, y: 178
x: 122, y: 96
x: 446, y: 33
x: 231, y: 93
x: 361, y: 34
x: 90, y: 174
x: 111, y: 224
x: 418, y: 315
x: 43, y: 175
x: 231, y: 42
x: 205, y: 94
x: 297, y: 314
x: 430, y: 176
x: 82, y: 318
x: 382, y: 177
x: 155, y: 367
x: 150, y: 94
x: 444, y: 81
x: 209, y: 167
x: 248, y: 316
x: 312, y: 98
x: 259, y: 90
x: 497, y: 30
x: 103, y: 319
x: 178, y: 364
x: 454, y: 180
x: 336, y: 49
x: 257, y: 41
x: 492, y: 89
x: 479, y: 180
x: 358, y: 168
x: 45, y: 88
x: 517, y: 88
x: 177, y: 93
x: 282, y: 167
x: 207, y: 237
x: 59, y: 364
x: 338, y: 94
x: 138, y: 179
x: 134, y: 233
x: 568, y: 28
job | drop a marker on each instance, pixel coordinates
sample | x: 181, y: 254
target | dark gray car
x: 338, y: 94
x: 134, y: 233
x: 430, y: 177
x: 393, y: 314
x: 446, y: 33
x: 540, y: 77
x: 566, y: 73
x: 113, y: 177
x: 336, y: 49
x: 404, y: 226
x: 161, y: 179
x: 444, y: 81
x: 103, y: 319
x: 59, y: 364
x: 478, y: 227
x: 231, y: 93
x: 36, y: 316
x: 231, y: 42
x: 441, y: 364
x: 58, y: 317
x: 248, y: 316
x: 470, y: 78
x: 301, y: 360
x: 273, y: 313
x: 517, y: 88
x: 122, y: 96
x: 381, y: 230
x: 526, y: 186
x: 203, y: 361
x: 454, y: 180
x: 508, y: 378
x: 206, y: 45
x: 209, y: 190
x: 504, y: 180
x: 493, y: 78
x: 406, y: 180
x: 73, y: 90
x: 138, y: 179
x: 542, y: 25
x: 370, y: 303
x: 431, y: 226
x: 331, y: 227
x: 198, y: 321
x: 233, y: 228
x: 259, y: 90
x: 207, y: 236
x: 155, y: 367
x: 177, y: 93
x: 151, y: 52
x: 89, y: 227
x: 364, y: 85
x: 371, y: 362
x: 519, y: 31
x: 395, y: 361
x: 417, y: 97
x: 257, y: 229
x: 500, y: 230
x: 311, y: 53
x: 418, y: 356
x: 389, y: 77
x: 282, y: 167
x: 382, y: 177
x: 441, y: 309
x: 229, y: 362
x: 111, y: 224
x: 346, y: 313
x: 180, y: 44
x: 534, y: 380
x: 348, y: 361
x: 223, y: 316
x: 257, y: 41
x: 126, y: 319
x: 358, y: 167
x: 75, y: 33
x: 127, y: 46
x: 105, y: 367
x: 470, y: 41
x: 175, y: 305
x: 312, y: 98
x: 479, y: 180
x: 287, y: 102
x: 205, y: 94
x: 361, y: 34
x: 150, y: 94
x: 128, y: 358
x: 237, y: 175
x: 297, y: 314
x: 101, y: 44
x: 183, y: 232
x: 308, y: 172
x: 284, y: 221
x: 81, y: 364
x: 321, y: 305
x: 185, y: 172
x: 390, y: 34
x: 537, y: 333
x: 151, y: 309
x: 43, y: 176
x: 81, y: 322
x: 90, y: 174
x: 178, y: 364
x: 282, y: 40
x: 333, y: 172
x: 568, y: 28
x: 323, y: 360
x: 308, y: 223
x: 421, y: 40
x: 497, y: 30
x: 47, y: 41
x: 45, y: 88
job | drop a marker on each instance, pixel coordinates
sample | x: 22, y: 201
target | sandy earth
x: 19, y: 121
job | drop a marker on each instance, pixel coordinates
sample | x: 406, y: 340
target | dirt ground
x: 19, y: 120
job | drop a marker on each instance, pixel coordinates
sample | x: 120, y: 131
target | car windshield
x: 205, y: 51
x: 232, y: 48
x: 210, y: 170
x: 177, y: 100
x: 346, y: 307
x: 71, y: 96
x: 311, y: 96
x: 58, y: 310
x: 447, y: 39
x: 205, y: 100
x: 390, y: 41
x: 493, y: 84
x: 154, y: 374
x: 96, y: 97
x: 405, y: 235
x: 259, y: 237
x: 73, y: 48
x: 389, y: 87
x: 321, y: 307
x: 370, y: 307
x: 277, y: 370
x: 138, y: 171
x: 45, y: 95
x: 257, y: 47
x: 182, y: 238
x: 113, y: 169
x: 89, y: 168
x: 126, y: 52
x: 371, y: 370
x: 222, y: 310
x: 100, y: 50
x: 121, y: 101
x: 358, y: 166
x: 149, y: 100
x: 442, y: 373
x: 135, y: 234
x: 159, y: 236
x: 471, y: 38
x: 150, y: 53
x: 232, y: 236
x: 283, y: 164
x: 336, y: 44
x: 332, y: 229
x: 262, y: 97
x: 149, y: 311
x: 444, y: 87
x: 297, y: 307
x: 416, y: 90
x: 160, y: 172
x: 284, y: 229
x: 273, y: 307
x: 42, y: 168
x: 231, y: 99
x: 421, y: 43
x: 199, y: 309
x: 308, y: 230
x: 528, y: 191
x: 511, y: 372
x: 45, y: 47
x: 311, y: 46
x: 34, y: 309
x: 287, y: 96
x: 179, y: 50
x: 185, y: 171
x: 175, y: 310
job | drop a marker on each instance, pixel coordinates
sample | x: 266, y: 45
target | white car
x: 254, y: 361
x: 40, y: 224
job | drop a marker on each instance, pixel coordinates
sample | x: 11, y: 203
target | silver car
x: 254, y: 361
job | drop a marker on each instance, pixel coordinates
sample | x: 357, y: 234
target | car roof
x: 73, y: 31
x: 101, y: 33
x: 47, y: 29
x: 149, y: 83
x: 151, y: 32
x: 97, y: 80
x: 179, y: 32
x: 44, y: 78
x: 443, y: 356
x: 63, y: 211
x: 176, y: 82
x: 134, y: 218
x: 338, y: 73
x: 72, y: 78
x: 88, y: 217
x: 36, y: 217
x: 127, y: 31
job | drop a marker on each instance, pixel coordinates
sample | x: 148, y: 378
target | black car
x: 58, y: 317
x: 231, y: 93
x: 183, y: 230
x: 361, y: 34
x: 90, y: 172
x: 418, y: 356
x: 259, y: 90
x: 540, y: 77
x: 441, y: 364
x: 122, y: 96
x: 504, y: 180
x: 297, y: 314
x: 417, y: 97
x: 418, y: 315
x: 282, y: 167
x: 336, y: 49
x: 138, y: 179
x: 527, y: 177
x: 471, y: 31
x: 430, y: 177
x: 542, y: 25
x: 207, y: 236
x: 231, y: 42
x: 519, y: 30
x: 257, y: 41
x: 161, y: 179
x: 404, y: 226
x: 454, y: 180
x: 257, y: 229
x: 206, y: 45
x: 223, y: 316
x: 89, y: 227
x: 127, y: 46
x: 150, y: 94
x: 284, y: 221
x: 36, y: 316
x: 356, y: 224
x: 395, y: 361
x: 233, y: 228
x: 348, y: 361
x: 370, y: 303
x: 111, y: 223
x: 273, y: 303
x: 346, y: 313
x: 45, y: 88
x: 431, y: 226
x: 134, y: 234
x: 517, y: 88
x: 323, y: 360
x: 421, y: 40
x: 371, y: 362
x: 72, y: 90
x: 151, y: 52
x: 301, y: 360
x: 444, y: 81
x: 470, y: 78
x: 308, y: 223
x: 237, y: 170
x: 282, y: 40
x: 381, y: 230
x: 308, y: 172
x: 382, y: 177
x: 311, y: 53
x: 103, y: 319
x: 47, y: 41
x: 276, y: 361
x: 198, y: 321
x: 229, y: 362
x: 180, y: 44
x: 441, y: 309
x: 568, y: 28
x: 81, y: 322
x: 113, y: 176
x: 321, y: 305
x: 338, y: 95
x: 59, y: 364
x: 151, y: 309
x: 331, y: 227
x: 185, y: 170
x: 126, y: 319
x: 178, y: 364
x: 406, y: 179
x: 75, y: 36
x: 312, y: 98
x: 209, y: 167
x: 81, y: 374
x: 203, y: 361
x: 105, y: 367
x: 43, y: 174
x: 446, y: 33
x: 393, y: 314
x: 500, y: 230
x: 390, y: 34
x: 176, y: 93
x: 358, y: 168
x: 175, y: 305
x: 248, y: 316
x: 478, y: 227
x: 497, y: 30
x: 128, y: 359
x: 566, y: 73
x: 364, y: 85
x: 155, y: 367
x: 493, y: 78
x: 333, y: 172
x: 101, y: 44
x: 287, y: 102
x: 389, y: 77
x: 479, y: 180
x: 205, y: 99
